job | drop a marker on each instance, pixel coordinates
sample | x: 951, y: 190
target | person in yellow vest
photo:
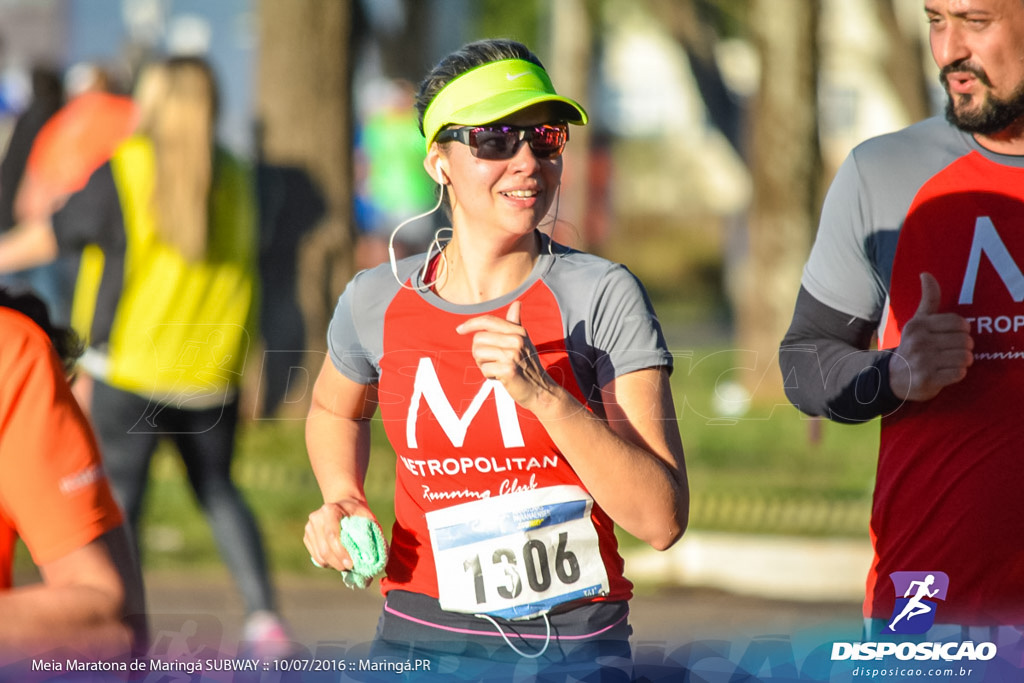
x: 166, y: 298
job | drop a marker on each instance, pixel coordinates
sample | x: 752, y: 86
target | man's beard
x: 992, y: 115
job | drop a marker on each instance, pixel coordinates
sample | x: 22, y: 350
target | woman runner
x: 524, y: 388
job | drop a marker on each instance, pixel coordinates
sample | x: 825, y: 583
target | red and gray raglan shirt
x: 950, y: 473
x: 490, y: 516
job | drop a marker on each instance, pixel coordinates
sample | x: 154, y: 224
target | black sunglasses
x: 502, y: 142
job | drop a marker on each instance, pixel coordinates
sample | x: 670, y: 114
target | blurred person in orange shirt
x: 55, y: 496
x: 76, y: 141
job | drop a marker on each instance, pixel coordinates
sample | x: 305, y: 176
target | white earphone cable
x: 426, y: 263
x: 547, y: 637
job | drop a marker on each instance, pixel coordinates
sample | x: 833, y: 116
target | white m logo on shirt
x: 427, y: 386
x: 987, y: 241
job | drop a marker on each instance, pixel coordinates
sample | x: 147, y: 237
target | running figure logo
x: 914, y: 612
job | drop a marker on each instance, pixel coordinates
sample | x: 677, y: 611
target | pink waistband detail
x: 465, y: 631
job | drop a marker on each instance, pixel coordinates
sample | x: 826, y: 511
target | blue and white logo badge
x: 917, y: 594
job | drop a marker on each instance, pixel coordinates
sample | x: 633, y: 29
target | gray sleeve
x: 826, y: 359
x: 348, y: 353
x: 864, y: 210
x: 626, y: 333
x: 355, y: 337
x: 839, y: 272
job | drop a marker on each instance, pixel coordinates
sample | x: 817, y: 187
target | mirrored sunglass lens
x: 548, y: 140
x: 494, y: 143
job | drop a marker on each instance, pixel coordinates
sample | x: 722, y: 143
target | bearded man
x: 920, y: 246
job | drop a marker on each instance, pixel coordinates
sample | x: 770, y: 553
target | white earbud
x: 441, y: 179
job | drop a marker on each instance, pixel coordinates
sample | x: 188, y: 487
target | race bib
x: 517, y: 555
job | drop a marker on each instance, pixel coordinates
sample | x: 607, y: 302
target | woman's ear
x: 435, y: 167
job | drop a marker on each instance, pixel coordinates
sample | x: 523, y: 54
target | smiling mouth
x: 521, y: 194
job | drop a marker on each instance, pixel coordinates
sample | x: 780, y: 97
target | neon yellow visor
x: 492, y: 91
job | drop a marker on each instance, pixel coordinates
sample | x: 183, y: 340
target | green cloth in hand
x: 364, y: 541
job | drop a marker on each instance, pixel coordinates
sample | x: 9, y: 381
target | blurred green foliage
x: 501, y: 19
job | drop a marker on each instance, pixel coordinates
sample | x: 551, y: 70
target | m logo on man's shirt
x: 987, y: 241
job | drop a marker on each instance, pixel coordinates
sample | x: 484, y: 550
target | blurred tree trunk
x: 304, y: 106
x: 686, y: 23
x: 571, y: 50
x: 905, y: 62
x: 404, y: 48
x: 785, y: 162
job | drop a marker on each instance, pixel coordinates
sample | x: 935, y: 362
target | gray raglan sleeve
x: 345, y: 346
x: 839, y: 272
x: 827, y: 366
x: 827, y: 363
x: 626, y: 333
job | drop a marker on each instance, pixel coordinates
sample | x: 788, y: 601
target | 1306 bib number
x: 520, y: 555
x: 535, y: 563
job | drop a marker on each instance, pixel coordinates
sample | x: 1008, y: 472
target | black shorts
x: 587, y: 643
